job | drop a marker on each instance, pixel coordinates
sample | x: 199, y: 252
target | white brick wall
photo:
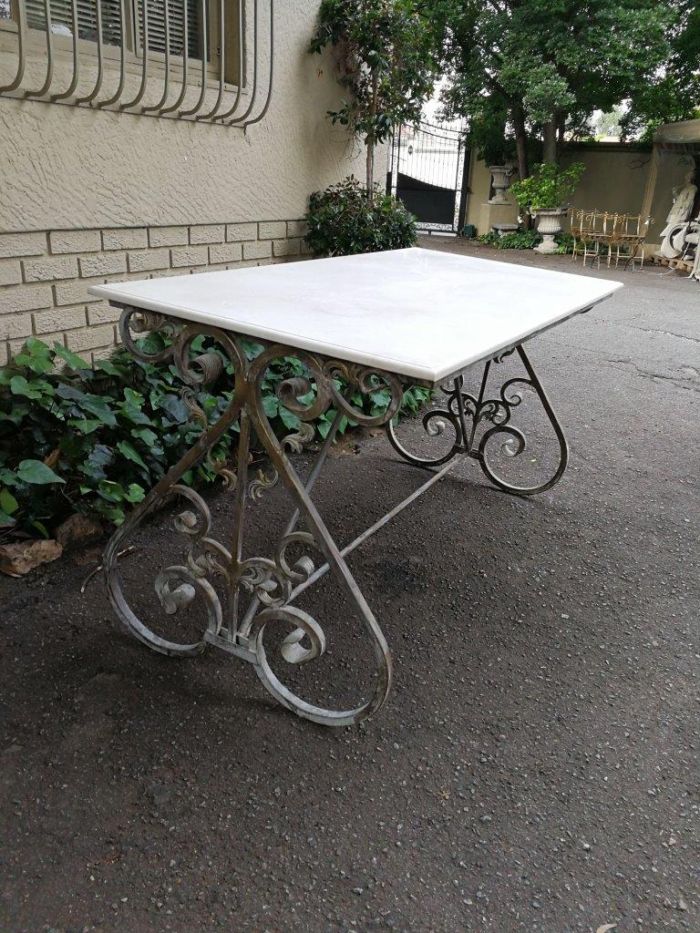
x: 44, y: 276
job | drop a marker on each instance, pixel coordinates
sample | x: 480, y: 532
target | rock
x: 76, y: 530
x: 18, y: 559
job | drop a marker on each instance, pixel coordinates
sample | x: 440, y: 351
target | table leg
x: 268, y: 582
x: 464, y: 414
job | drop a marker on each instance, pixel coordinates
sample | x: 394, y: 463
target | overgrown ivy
x: 93, y: 441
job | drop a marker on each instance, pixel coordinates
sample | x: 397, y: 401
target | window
x: 184, y: 18
x: 208, y: 60
x: 61, y: 17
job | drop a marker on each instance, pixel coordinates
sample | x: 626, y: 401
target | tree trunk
x: 549, y: 149
x: 520, y: 142
x: 371, y: 140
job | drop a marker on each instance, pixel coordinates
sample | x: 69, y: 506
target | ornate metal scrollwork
x: 269, y: 582
x: 464, y: 413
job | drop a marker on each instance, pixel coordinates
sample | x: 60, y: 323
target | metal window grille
x: 60, y: 17
x: 206, y: 60
x: 171, y: 34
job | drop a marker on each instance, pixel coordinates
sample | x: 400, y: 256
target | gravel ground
x: 536, y: 766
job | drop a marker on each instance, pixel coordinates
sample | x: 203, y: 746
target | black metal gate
x: 428, y: 169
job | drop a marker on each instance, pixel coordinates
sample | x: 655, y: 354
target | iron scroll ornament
x: 464, y: 413
x: 268, y: 581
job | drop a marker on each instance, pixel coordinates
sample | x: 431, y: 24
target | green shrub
x: 518, y: 239
x: 94, y: 441
x: 343, y: 220
x: 548, y: 188
x: 565, y: 243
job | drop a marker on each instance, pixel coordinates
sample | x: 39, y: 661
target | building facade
x: 154, y: 148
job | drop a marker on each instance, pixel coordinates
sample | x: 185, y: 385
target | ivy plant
x: 93, y: 441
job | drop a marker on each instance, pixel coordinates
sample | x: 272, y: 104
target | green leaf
x: 6, y: 521
x: 270, y: 405
x: 41, y: 528
x: 129, y: 451
x: 147, y: 436
x: 100, y: 408
x: 175, y: 408
x: 108, y: 367
x: 94, y: 404
x: 99, y: 457
x: 8, y: 477
x: 37, y: 473
x: 20, y: 386
x: 85, y: 425
x: 288, y: 418
x: 74, y: 361
x: 35, y: 355
x: 135, y: 493
x: 112, y: 492
x: 8, y: 503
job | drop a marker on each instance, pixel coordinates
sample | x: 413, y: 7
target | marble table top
x: 422, y: 314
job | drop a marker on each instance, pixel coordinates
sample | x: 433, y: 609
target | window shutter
x: 176, y: 25
x: 62, y: 18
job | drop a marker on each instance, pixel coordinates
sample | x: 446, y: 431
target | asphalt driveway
x: 536, y: 767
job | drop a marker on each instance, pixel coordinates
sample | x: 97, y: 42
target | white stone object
x: 500, y: 180
x: 420, y: 313
x: 548, y: 226
x: 681, y: 209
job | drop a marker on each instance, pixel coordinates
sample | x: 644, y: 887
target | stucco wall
x: 71, y: 167
x: 186, y: 196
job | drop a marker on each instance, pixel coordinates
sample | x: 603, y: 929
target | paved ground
x: 536, y: 767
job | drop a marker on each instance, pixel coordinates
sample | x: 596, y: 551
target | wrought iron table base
x: 465, y: 412
x: 273, y: 584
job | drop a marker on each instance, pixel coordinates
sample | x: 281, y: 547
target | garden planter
x: 500, y: 181
x: 548, y: 226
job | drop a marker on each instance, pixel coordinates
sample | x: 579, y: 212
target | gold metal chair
x: 628, y: 239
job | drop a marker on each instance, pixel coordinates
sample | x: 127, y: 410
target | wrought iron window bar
x: 164, y: 58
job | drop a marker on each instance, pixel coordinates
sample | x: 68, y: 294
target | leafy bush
x: 344, y: 220
x: 518, y: 239
x: 94, y: 441
x: 548, y: 188
x: 565, y: 243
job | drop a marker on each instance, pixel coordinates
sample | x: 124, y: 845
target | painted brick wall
x: 44, y: 276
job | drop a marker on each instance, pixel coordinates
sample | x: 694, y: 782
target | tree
x: 674, y: 94
x: 386, y: 58
x: 549, y: 63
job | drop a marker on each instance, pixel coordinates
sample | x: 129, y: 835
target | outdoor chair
x: 627, y: 239
x: 591, y: 232
x: 608, y: 235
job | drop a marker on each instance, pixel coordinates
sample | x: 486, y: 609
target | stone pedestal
x: 490, y: 214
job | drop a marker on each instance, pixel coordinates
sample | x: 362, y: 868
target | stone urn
x: 549, y: 224
x: 500, y: 181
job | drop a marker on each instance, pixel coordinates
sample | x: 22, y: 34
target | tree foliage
x: 674, y: 94
x: 386, y: 58
x: 541, y: 67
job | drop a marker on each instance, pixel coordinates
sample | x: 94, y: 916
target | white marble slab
x: 420, y: 313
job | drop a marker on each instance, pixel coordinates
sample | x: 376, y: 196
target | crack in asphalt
x: 665, y: 333
x: 680, y: 383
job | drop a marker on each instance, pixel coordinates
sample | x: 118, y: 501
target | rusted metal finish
x: 464, y: 413
x: 270, y: 580
x: 262, y: 590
